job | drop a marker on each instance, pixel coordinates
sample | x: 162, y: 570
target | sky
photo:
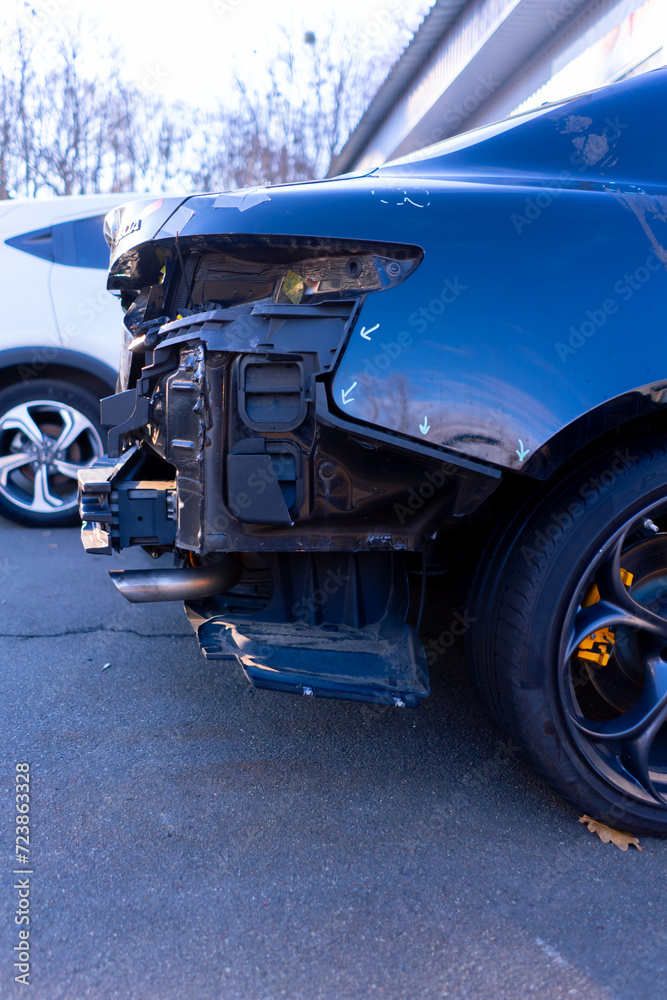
x: 190, y: 50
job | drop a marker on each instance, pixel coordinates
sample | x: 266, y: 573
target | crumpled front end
x: 225, y: 449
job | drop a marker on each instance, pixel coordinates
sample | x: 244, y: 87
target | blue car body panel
x: 535, y: 317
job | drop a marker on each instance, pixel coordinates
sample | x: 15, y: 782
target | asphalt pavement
x: 195, y: 838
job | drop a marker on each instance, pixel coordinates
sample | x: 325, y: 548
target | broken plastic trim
x: 233, y: 269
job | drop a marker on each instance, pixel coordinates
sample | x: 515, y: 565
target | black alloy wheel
x: 570, y: 649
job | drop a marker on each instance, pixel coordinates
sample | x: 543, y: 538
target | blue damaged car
x: 328, y: 386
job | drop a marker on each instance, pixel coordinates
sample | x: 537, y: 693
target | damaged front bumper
x: 238, y: 449
x: 290, y: 522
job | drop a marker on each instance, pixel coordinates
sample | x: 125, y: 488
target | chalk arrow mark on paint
x: 345, y: 393
x: 523, y: 452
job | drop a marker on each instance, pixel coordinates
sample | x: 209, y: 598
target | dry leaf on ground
x: 607, y: 833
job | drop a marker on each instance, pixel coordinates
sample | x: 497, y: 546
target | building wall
x: 504, y: 56
x: 611, y: 42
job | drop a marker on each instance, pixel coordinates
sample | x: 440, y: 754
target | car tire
x: 569, y: 647
x: 48, y: 430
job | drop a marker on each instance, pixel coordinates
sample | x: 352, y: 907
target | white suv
x: 59, y: 347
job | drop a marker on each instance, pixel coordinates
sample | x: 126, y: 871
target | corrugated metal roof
x: 410, y: 62
x: 448, y: 59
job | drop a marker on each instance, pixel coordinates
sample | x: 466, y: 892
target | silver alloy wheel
x: 39, y: 463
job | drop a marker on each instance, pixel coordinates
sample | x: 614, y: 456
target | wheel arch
x: 20, y: 365
x: 615, y: 424
x: 619, y: 420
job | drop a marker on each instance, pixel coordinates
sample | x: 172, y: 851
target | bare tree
x: 65, y: 131
x: 7, y: 119
x: 316, y: 90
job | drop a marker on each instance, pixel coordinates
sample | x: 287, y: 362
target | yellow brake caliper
x: 598, y: 646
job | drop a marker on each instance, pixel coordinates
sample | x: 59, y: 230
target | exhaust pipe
x: 142, y: 585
